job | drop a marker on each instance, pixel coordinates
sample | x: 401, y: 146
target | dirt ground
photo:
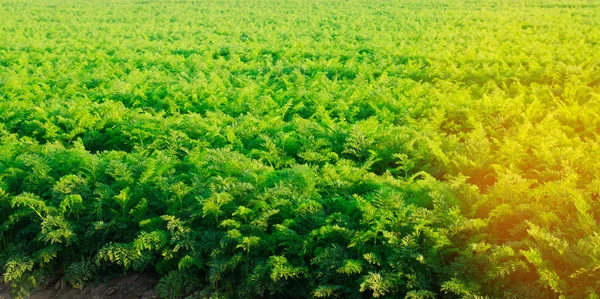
x: 130, y: 286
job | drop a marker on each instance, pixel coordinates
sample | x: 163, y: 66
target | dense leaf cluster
x: 302, y: 148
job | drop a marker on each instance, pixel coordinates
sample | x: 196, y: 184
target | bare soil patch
x: 129, y: 286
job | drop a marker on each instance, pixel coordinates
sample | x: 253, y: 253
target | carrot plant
x: 244, y: 149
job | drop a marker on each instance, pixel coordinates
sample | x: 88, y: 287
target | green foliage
x: 78, y: 273
x: 245, y: 149
x: 19, y: 272
x: 176, y: 284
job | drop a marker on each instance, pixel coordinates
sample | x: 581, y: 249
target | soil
x: 130, y: 286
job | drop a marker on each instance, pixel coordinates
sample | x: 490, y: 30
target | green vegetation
x: 303, y: 148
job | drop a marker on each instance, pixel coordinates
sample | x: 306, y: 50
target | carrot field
x: 302, y: 148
